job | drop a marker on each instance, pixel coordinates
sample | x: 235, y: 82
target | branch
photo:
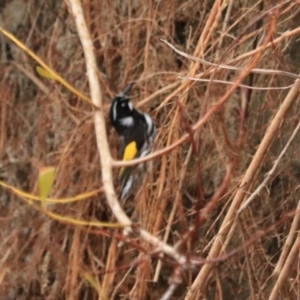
x: 287, y: 269
x: 228, y: 67
x: 101, y: 137
x: 270, y: 173
x: 257, y: 88
x: 228, y: 224
x: 288, y: 242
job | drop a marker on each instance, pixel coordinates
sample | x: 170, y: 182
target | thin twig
x: 287, y: 268
x: 101, y: 137
x: 228, y: 224
x: 289, y: 242
x: 228, y: 67
x: 175, y: 280
x: 270, y: 173
x: 174, y: 209
x: 169, y: 292
x: 100, y: 129
x: 258, y: 88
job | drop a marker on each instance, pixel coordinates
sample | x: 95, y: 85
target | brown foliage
x: 188, y: 191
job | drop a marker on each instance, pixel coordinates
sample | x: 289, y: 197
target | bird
x: 136, y: 132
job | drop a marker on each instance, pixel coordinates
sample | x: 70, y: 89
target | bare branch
x: 228, y: 67
x: 289, y: 242
x: 270, y: 173
x: 257, y: 88
x: 99, y: 121
x: 102, y: 143
x: 228, y: 224
x: 287, y: 268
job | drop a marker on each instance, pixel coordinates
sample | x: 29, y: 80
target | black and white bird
x: 137, y: 133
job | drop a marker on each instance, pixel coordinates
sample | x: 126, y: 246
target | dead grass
x: 44, y: 124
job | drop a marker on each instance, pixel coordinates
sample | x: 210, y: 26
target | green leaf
x: 46, y: 180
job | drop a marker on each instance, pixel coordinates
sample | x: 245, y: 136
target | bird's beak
x: 128, y: 89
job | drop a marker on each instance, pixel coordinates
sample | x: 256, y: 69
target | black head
x: 121, y: 107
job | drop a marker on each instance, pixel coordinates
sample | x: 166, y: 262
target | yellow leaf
x: 46, y: 180
x: 47, y: 69
x: 44, y: 73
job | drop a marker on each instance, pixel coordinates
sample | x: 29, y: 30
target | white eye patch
x: 114, y: 115
x: 127, y: 103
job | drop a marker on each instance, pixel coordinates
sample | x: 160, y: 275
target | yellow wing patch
x: 129, y: 153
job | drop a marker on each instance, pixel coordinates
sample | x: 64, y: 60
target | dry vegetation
x: 230, y: 138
